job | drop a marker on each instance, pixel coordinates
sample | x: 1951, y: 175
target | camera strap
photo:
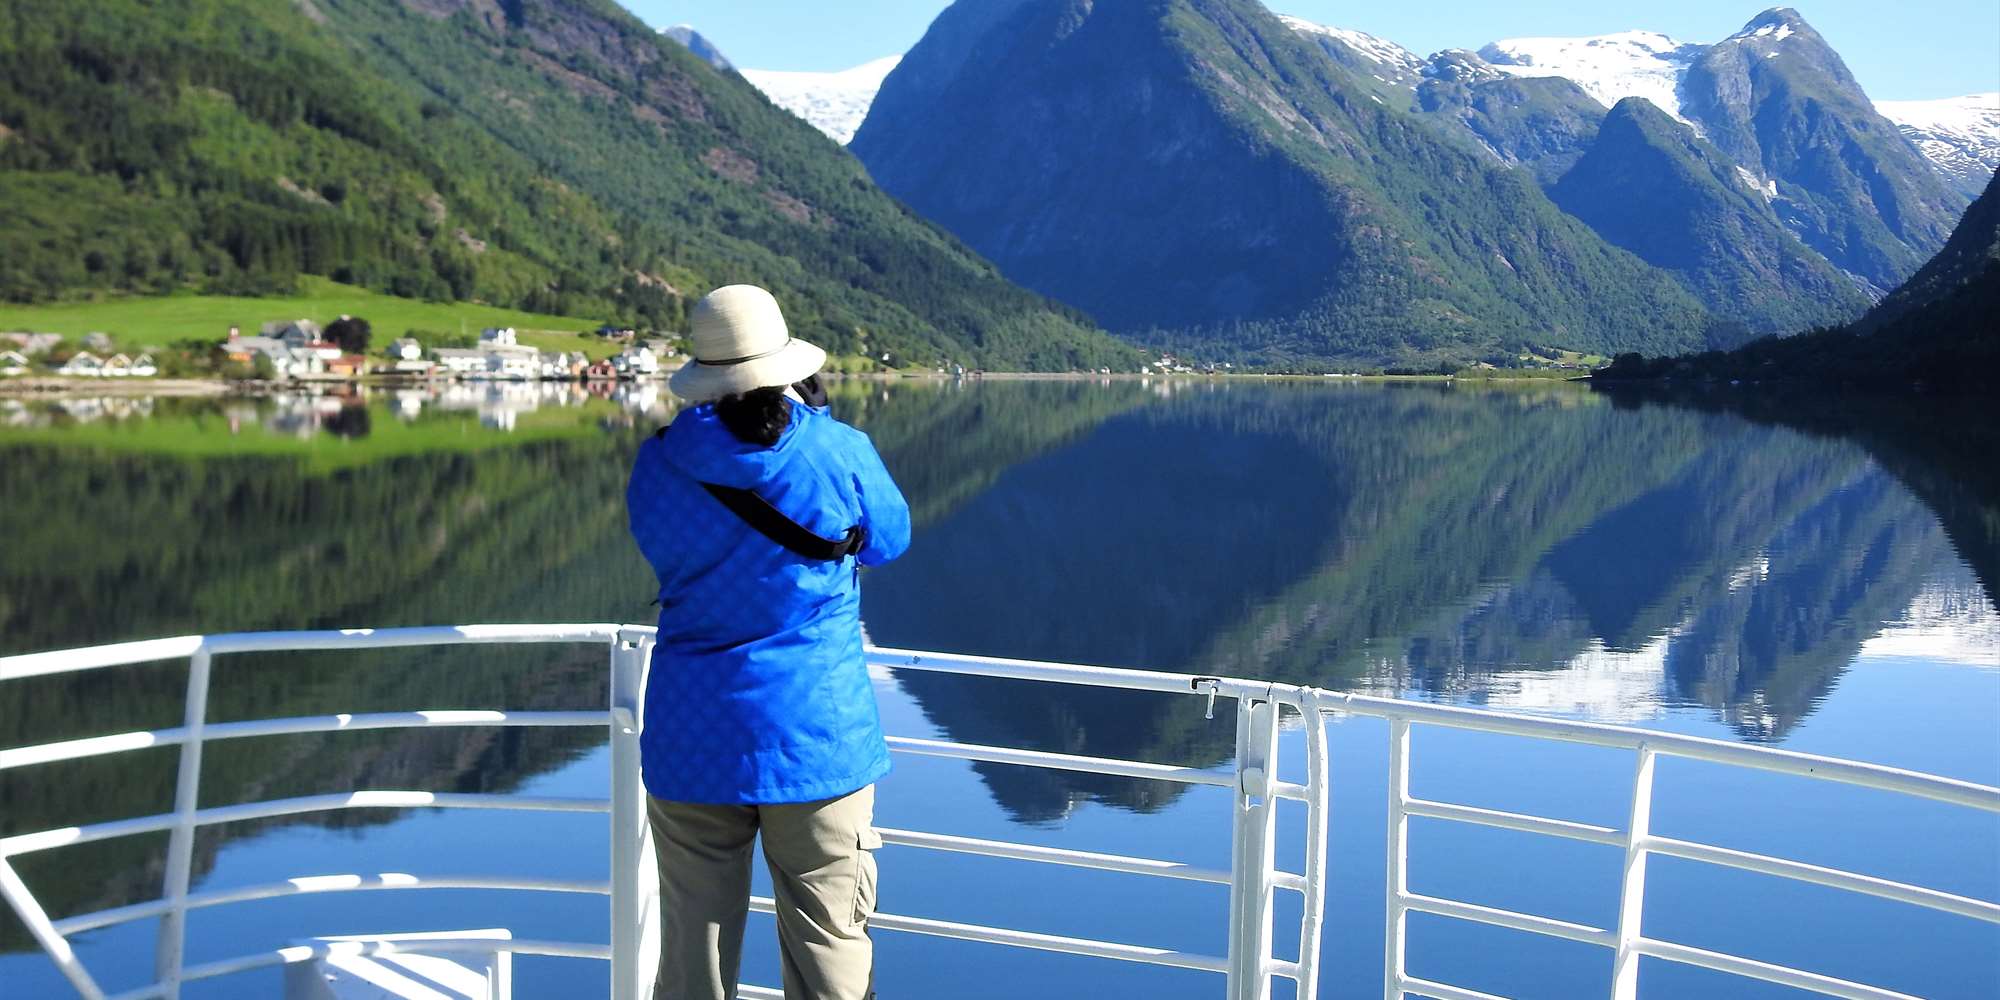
x: 774, y: 525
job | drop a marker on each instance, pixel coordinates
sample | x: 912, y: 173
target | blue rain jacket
x: 758, y: 692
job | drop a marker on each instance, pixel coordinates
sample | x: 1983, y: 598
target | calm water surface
x: 1822, y: 582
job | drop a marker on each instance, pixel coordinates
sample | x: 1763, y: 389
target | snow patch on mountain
x: 1609, y: 68
x: 1380, y: 50
x: 1775, y: 32
x: 834, y: 103
x: 1961, y: 135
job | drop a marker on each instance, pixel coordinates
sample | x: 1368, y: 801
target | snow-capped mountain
x: 1609, y: 68
x: 1379, y: 58
x: 1959, y: 134
x: 835, y: 103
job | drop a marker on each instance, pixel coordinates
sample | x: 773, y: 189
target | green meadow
x: 159, y: 321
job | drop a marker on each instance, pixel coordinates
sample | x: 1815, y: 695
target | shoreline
x: 46, y: 386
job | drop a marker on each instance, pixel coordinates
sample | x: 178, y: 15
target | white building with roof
x: 459, y: 361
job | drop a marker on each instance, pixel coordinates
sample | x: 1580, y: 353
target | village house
x: 409, y: 358
x: 32, y: 344
x: 299, y: 362
x: 601, y: 371
x: 244, y: 350
x: 459, y: 361
x: 120, y: 366
x: 304, y: 335
x: 348, y: 366
x: 564, y: 365
x: 516, y: 365
x: 99, y: 342
x: 13, y: 363
x: 637, y: 362
x: 82, y: 363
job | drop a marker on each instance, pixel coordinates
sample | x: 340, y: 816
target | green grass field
x: 151, y: 322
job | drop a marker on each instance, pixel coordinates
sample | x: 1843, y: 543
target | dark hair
x: 755, y: 417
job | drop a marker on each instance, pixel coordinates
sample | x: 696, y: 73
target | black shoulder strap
x: 774, y: 525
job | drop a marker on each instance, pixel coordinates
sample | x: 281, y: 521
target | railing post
x: 633, y: 882
x: 170, y: 949
x: 1393, y: 955
x: 1253, y: 838
x: 1317, y: 802
x: 1632, y: 889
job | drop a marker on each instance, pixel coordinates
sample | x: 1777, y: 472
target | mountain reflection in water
x: 1540, y: 549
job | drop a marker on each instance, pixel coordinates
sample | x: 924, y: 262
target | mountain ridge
x: 1224, y: 183
x: 1704, y: 221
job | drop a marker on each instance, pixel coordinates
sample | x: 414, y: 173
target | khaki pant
x: 823, y: 874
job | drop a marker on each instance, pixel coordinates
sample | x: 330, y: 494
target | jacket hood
x: 699, y: 444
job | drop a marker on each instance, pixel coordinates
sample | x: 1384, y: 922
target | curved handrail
x: 1250, y: 890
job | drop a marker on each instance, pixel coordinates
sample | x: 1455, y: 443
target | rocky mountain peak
x: 697, y: 43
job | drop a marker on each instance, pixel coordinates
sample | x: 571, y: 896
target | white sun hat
x: 740, y: 342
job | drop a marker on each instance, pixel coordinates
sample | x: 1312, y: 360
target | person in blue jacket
x: 756, y: 509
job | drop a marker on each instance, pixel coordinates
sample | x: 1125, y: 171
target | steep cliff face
x: 1195, y: 170
x: 1650, y: 185
x: 1541, y: 124
x: 1777, y: 99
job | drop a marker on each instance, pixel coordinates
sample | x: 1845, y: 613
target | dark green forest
x: 551, y: 155
x: 1940, y: 330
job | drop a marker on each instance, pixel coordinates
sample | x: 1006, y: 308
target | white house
x: 516, y: 365
x: 82, y: 363
x: 458, y: 361
x: 637, y: 362
x: 143, y: 366
x: 498, y: 336
x: 409, y: 357
x: 13, y: 363
x: 301, y: 361
x: 116, y: 366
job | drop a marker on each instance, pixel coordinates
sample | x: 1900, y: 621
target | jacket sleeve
x: 643, y: 500
x: 883, y: 510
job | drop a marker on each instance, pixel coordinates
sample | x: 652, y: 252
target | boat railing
x: 1248, y: 966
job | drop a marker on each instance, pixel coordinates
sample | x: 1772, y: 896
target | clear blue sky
x: 1898, y: 50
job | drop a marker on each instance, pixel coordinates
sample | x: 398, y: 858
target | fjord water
x: 1820, y: 584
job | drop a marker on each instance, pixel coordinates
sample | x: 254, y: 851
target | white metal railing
x: 1248, y: 966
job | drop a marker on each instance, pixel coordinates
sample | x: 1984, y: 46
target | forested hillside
x: 553, y: 155
x: 1940, y: 329
x: 1650, y: 184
